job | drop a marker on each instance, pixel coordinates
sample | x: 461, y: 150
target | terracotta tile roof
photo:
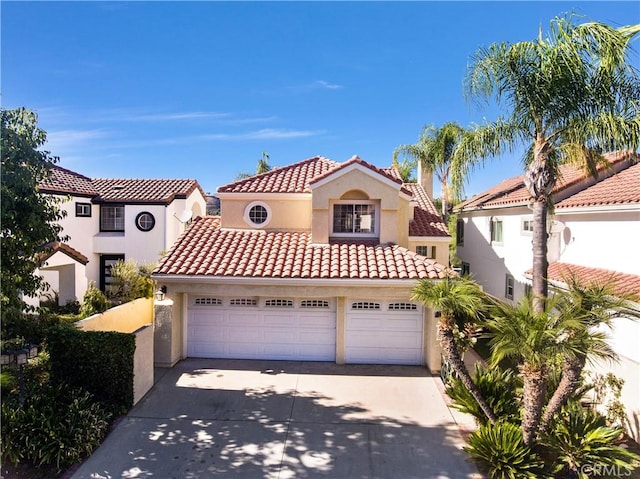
x: 512, y: 191
x: 143, y: 190
x: 52, y: 248
x: 294, y: 178
x: 621, y: 188
x: 163, y: 191
x: 63, y: 181
x: 206, y: 249
x: 623, y: 283
x: 426, y: 220
x: 356, y: 160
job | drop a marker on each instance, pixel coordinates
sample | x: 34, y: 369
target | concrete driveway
x: 283, y: 419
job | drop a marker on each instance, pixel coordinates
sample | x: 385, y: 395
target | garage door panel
x: 383, y: 336
x: 261, y: 332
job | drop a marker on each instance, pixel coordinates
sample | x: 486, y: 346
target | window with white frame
x: 351, y: 218
x: 527, y: 226
x: 112, y: 218
x: 509, y: 285
x: 257, y: 213
x: 426, y: 251
x: 496, y: 230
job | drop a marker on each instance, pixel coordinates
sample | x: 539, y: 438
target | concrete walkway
x: 280, y: 420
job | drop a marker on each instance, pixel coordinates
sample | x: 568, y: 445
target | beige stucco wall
x: 441, y: 244
x: 393, y: 210
x: 135, y: 317
x: 292, y: 212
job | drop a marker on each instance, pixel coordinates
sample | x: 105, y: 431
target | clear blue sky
x: 201, y: 89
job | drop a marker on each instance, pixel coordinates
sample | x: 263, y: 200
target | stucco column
x: 431, y: 345
x: 340, y: 329
x: 163, y: 334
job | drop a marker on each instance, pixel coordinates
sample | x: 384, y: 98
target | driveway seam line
x: 290, y: 420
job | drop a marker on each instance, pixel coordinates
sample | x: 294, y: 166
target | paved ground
x: 282, y: 420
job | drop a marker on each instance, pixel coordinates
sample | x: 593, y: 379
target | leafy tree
x: 458, y: 300
x: 263, y: 164
x: 405, y: 169
x: 435, y: 150
x: 567, y: 97
x: 29, y: 219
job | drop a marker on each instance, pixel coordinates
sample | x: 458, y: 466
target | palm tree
x: 435, y: 150
x: 263, y: 164
x: 532, y: 340
x: 595, y: 304
x: 568, y: 97
x: 457, y: 299
x: 404, y: 169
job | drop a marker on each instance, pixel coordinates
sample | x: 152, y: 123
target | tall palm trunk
x: 451, y: 353
x: 539, y: 180
x: 533, y: 394
x: 571, y: 372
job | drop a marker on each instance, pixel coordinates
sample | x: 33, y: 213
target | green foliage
x: 100, y: 362
x: 29, y: 219
x: 94, y: 301
x: 501, y: 388
x: 501, y: 450
x: 130, y: 281
x: 580, y: 441
x: 31, y: 327
x: 607, y: 390
x: 58, y: 425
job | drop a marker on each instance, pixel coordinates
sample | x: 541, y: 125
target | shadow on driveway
x: 281, y: 420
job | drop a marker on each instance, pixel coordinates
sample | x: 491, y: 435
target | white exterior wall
x: 490, y: 263
x: 604, y: 239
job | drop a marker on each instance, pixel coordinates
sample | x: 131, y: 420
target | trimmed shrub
x: 94, y: 301
x: 581, y: 441
x: 500, y: 449
x: 58, y: 425
x: 501, y: 388
x: 99, y: 361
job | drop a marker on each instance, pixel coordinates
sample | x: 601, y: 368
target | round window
x: 145, y: 221
x: 257, y: 214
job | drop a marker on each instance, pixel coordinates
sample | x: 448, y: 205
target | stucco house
x: 593, y: 231
x: 111, y: 219
x: 311, y: 261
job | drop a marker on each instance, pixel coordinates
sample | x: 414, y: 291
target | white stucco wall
x: 605, y: 239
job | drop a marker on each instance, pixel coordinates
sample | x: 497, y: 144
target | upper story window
x: 145, y: 221
x: 257, y: 214
x: 83, y: 209
x: 496, y: 230
x: 355, y: 218
x: 426, y: 251
x: 460, y: 232
x: 112, y: 218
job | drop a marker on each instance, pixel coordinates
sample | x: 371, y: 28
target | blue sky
x: 201, y: 89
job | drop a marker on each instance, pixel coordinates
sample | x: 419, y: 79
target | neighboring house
x: 311, y: 261
x: 112, y: 219
x: 593, y: 233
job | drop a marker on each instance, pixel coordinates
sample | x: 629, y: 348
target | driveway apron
x: 285, y: 419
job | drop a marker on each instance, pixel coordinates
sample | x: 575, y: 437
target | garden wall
x: 135, y: 317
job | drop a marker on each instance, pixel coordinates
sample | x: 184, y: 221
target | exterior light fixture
x: 19, y: 357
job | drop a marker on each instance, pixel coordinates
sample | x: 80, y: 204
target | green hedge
x: 100, y: 362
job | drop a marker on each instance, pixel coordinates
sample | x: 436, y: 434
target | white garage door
x: 383, y: 332
x: 261, y: 328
